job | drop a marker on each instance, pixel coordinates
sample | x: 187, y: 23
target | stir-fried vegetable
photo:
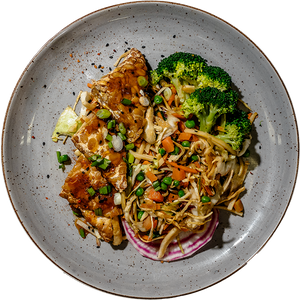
x: 187, y: 172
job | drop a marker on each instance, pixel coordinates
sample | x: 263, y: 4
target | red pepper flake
x: 33, y: 137
x: 47, y: 198
x: 71, y: 55
x: 78, y: 60
x: 98, y: 53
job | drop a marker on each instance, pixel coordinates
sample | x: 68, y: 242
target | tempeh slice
x: 90, y: 139
x: 122, y: 83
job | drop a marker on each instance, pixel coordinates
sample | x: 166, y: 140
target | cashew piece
x: 149, y: 131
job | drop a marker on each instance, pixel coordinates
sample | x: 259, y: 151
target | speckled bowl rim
x: 28, y: 62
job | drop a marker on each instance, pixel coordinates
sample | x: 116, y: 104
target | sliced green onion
x: 111, y: 124
x: 105, y: 190
x: 103, y: 113
x: 62, y: 158
x: 122, y: 136
x: 157, y: 188
x: 98, y: 211
x: 156, y: 184
x: 122, y: 128
x: 142, y: 81
x: 108, y: 137
x: 126, y: 101
x: 129, y: 146
x: 58, y: 154
x: 130, y: 158
x: 82, y: 233
x: 93, y: 157
x: 110, y: 145
x: 104, y: 165
x: 91, y: 191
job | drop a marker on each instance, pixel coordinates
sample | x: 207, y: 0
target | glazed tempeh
x: 90, y: 139
x: 122, y: 83
x: 75, y: 189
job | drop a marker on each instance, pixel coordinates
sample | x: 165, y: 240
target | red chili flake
x: 33, y: 137
x: 47, y: 198
x: 79, y: 201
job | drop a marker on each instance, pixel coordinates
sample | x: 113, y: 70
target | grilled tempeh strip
x: 122, y: 83
x: 90, y: 139
x: 75, y: 189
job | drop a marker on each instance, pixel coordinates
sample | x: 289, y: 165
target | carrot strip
x: 178, y: 174
x: 146, y: 162
x: 168, y: 144
x: 179, y: 116
x: 171, y: 99
x: 155, y: 195
x: 160, y: 115
x: 187, y: 169
x: 89, y: 85
x: 151, y: 176
x: 172, y: 197
x: 183, y: 136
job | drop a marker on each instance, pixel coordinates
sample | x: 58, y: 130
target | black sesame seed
x: 107, y: 45
x: 44, y: 143
x: 126, y: 43
x: 143, y: 47
x: 48, y: 176
x: 174, y: 36
x: 92, y: 64
x: 74, y: 94
x: 111, y: 57
x: 45, y: 86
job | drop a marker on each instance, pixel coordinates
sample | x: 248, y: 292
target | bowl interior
x: 52, y: 81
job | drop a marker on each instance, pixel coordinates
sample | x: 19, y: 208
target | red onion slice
x: 190, y: 242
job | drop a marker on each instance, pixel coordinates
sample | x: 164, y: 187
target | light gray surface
x: 28, y: 162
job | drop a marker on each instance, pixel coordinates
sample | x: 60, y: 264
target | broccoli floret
x: 208, y: 105
x: 189, y: 69
x: 178, y: 65
x: 214, y: 77
x: 237, y: 128
x: 180, y: 68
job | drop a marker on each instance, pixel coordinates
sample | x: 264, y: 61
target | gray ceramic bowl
x: 50, y: 83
